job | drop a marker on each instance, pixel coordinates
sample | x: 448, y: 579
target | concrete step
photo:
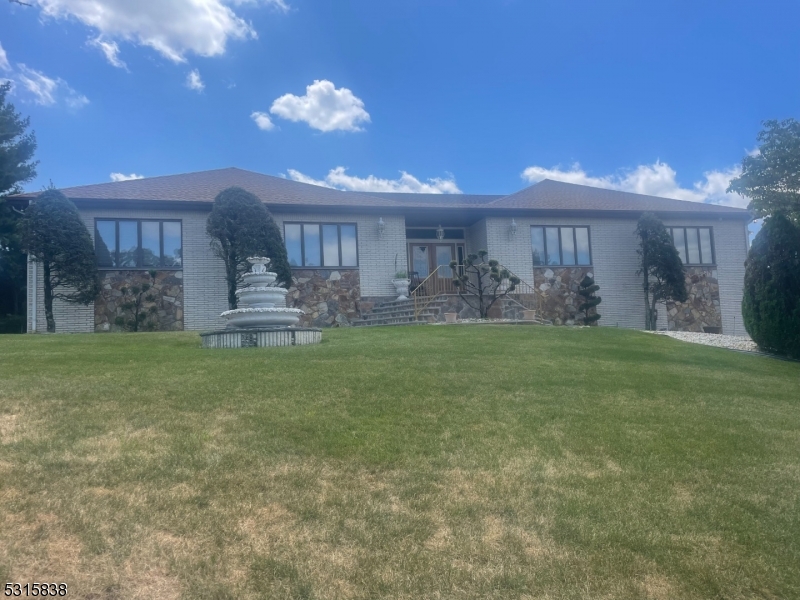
x: 424, y: 317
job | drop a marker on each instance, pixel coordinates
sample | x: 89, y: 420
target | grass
x: 425, y: 462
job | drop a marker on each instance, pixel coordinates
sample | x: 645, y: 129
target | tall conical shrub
x: 589, y: 306
x: 771, y: 303
x: 241, y: 226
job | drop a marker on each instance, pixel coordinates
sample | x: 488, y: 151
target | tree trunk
x: 647, y: 315
x: 653, y: 315
x: 232, y: 300
x: 48, y: 298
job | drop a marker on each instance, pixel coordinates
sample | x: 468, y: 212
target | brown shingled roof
x: 557, y: 195
x: 203, y: 186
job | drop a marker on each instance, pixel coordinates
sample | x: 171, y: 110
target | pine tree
x: 16, y: 166
x: 240, y: 226
x: 587, y: 290
x: 54, y: 234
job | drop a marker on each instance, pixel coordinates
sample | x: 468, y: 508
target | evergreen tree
x: 660, y: 266
x: 54, y: 234
x: 771, y: 303
x: 240, y: 226
x: 16, y: 167
x: 132, y: 303
x: 589, y: 306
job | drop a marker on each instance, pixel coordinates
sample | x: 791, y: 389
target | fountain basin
x: 261, y: 337
x: 262, y: 297
x: 258, y: 279
x: 262, y: 317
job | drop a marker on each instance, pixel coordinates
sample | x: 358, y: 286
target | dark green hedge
x: 771, y: 304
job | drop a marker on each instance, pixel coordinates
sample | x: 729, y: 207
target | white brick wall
x: 613, y: 253
x: 376, y: 255
x: 476, y: 237
x: 204, y: 289
x: 730, y: 249
x: 614, y: 244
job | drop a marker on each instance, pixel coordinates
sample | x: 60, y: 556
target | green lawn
x: 420, y: 462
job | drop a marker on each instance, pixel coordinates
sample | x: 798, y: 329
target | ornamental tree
x: 54, y: 235
x: 771, y: 176
x: 17, y: 147
x: 588, y: 307
x: 660, y: 266
x: 481, y: 283
x: 132, y: 302
x: 240, y: 226
x: 771, y: 302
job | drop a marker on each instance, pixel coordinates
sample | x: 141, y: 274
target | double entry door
x: 425, y: 258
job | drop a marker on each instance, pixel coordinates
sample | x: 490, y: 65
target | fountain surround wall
x: 262, y: 318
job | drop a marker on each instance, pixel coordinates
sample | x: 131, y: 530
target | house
x: 345, y: 248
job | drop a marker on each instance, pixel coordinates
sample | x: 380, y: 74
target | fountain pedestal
x: 262, y: 318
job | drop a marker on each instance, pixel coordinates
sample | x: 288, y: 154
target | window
x: 321, y: 244
x: 133, y: 244
x: 560, y: 246
x: 695, y: 244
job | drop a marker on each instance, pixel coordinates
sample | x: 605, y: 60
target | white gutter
x: 35, y: 294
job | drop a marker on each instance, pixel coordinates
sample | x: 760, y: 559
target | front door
x: 426, y: 258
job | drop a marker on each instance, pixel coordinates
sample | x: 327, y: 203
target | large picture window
x: 694, y: 244
x: 321, y: 244
x: 560, y: 246
x: 138, y: 244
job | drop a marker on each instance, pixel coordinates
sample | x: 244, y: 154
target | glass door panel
x: 420, y: 259
x: 444, y: 254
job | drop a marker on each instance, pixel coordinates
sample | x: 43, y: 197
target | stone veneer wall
x: 328, y: 297
x: 167, y: 289
x: 702, y: 308
x: 557, y: 293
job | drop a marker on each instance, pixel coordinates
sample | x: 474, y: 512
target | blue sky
x: 408, y: 95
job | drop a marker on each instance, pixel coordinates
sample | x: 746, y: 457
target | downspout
x: 35, y: 294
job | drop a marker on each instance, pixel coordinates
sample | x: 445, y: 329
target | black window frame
x: 560, y: 254
x: 699, y: 245
x: 321, y: 224
x: 139, y: 250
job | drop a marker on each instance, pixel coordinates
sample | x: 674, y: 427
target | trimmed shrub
x: 240, y: 226
x: 771, y: 303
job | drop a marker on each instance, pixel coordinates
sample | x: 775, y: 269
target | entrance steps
x: 399, y: 312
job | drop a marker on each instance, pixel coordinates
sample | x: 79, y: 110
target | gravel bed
x: 732, y: 342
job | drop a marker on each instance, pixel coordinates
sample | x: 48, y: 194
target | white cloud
x: 34, y: 85
x: 263, y: 121
x: 338, y: 179
x: 4, y: 64
x: 323, y: 107
x: 658, y: 179
x: 123, y: 177
x: 40, y: 85
x: 173, y: 28
x: 193, y: 81
x: 110, y: 50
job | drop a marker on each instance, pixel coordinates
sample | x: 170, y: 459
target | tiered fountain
x: 263, y: 318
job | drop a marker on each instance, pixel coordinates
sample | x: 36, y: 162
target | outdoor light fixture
x: 439, y: 232
x: 513, y: 228
x: 381, y: 227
